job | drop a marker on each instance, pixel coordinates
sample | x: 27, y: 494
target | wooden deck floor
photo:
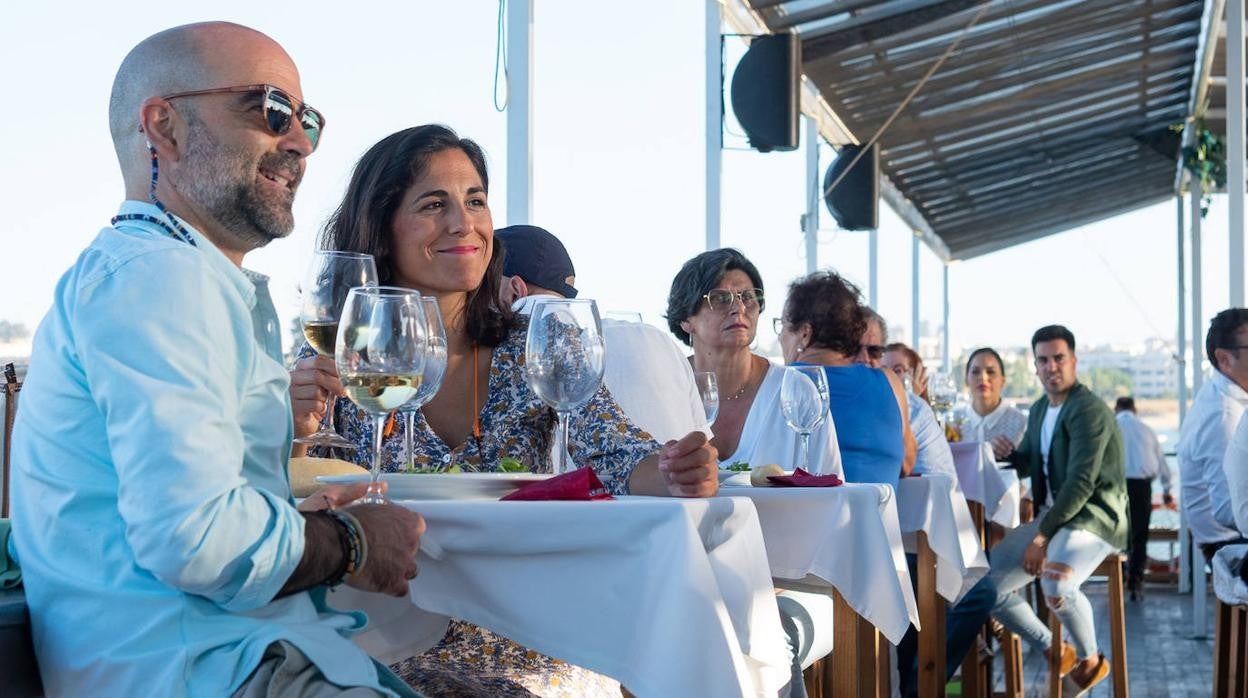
x: 1163, y: 660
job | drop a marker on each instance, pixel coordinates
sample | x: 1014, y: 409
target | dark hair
x: 911, y: 355
x: 1124, y: 403
x: 1050, y: 333
x: 995, y: 355
x: 1222, y: 330
x: 832, y: 307
x: 362, y: 222
x: 697, y: 277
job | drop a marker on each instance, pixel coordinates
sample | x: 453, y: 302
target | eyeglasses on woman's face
x: 280, y: 109
x: 722, y: 299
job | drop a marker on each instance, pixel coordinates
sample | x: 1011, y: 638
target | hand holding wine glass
x: 804, y: 402
x: 382, y: 341
x: 563, y: 357
x: 330, y: 277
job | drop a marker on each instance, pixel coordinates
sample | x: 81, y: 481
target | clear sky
x: 618, y: 164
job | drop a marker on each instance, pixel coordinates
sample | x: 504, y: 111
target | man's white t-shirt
x: 1046, y: 440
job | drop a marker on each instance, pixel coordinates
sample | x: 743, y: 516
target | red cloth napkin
x: 579, y: 485
x: 801, y: 478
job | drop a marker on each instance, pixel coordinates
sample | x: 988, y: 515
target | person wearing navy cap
x: 536, y: 264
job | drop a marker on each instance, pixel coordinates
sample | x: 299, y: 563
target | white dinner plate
x: 444, y: 485
x: 734, y: 478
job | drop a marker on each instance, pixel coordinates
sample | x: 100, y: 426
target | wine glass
x: 563, y: 359
x: 330, y: 276
x: 382, y: 340
x: 804, y: 402
x: 708, y: 390
x: 431, y: 379
x: 942, y: 390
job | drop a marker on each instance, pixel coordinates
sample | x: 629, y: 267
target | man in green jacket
x: 1073, y: 452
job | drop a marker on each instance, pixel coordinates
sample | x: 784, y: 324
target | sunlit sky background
x: 618, y: 163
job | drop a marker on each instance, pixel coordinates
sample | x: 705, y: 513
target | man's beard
x: 223, y: 181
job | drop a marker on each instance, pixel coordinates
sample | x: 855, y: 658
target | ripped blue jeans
x: 1071, y: 557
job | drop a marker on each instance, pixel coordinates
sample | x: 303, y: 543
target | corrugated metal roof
x: 1050, y: 115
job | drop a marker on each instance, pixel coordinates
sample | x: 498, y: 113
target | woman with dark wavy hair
x: 822, y: 324
x: 417, y: 201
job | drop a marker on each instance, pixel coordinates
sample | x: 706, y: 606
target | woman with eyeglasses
x: 823, y: 323
x: 908, y: 365
x: 714, y: 306
x: 418, y: 202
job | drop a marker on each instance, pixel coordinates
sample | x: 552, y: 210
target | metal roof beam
x: 1202, y: 66
x: 869, y: 26
x: 1048, y: 210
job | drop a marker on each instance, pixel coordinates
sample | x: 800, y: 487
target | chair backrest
x: 12, y: 387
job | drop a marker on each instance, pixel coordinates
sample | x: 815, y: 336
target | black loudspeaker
x: 855, y: 202
x: 765, y: 92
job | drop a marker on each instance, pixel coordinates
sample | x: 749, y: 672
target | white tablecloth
x: 1227, y: 585
x: 846, y: 538
x: 983, y: 482
x: 934, y: 504
x: 1008, y: 509
x: 670, y: 597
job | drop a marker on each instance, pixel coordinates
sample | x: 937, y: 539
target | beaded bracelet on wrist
x: 354, y: 546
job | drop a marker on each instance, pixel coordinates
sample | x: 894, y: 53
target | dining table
x: 996, y: 490
x: 668, y: 596
x: 937, y: 528
x: 845, y: 542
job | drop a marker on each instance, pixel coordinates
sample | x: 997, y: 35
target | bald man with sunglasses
x: 152, y: 514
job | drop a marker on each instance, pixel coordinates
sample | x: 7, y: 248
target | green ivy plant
x: 1205, y: 159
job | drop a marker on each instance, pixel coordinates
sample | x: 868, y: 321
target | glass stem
x: 374, y: 495
x: 407, y: 439
x: 561, y: 466
x: 328, y: 425
x: 803, y: 454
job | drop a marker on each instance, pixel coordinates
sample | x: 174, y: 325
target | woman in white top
x: 714, y: 306
x: 989, y: 418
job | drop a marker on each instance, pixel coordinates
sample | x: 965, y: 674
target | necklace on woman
x: 744, y: 385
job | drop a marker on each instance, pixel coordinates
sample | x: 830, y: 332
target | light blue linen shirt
x: 152, y: 512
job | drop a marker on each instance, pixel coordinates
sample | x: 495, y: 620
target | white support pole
x: 714, y: 122
x: 944, y: 330
x: 1235, y: 185
x: 519, y: 112
x: 1181, y: 353
x: 810, y: 221
x: 1198, y: 336
x: 873, y: 268
x: 914, y: 293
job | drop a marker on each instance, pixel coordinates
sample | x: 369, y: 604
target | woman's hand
x: 689, y: 466
x: 1001, y: 447
x: 918, y: 381
x: 312, y: 381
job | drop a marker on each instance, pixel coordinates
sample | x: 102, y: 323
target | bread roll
x: 759, y: 475
x: 303, y: 472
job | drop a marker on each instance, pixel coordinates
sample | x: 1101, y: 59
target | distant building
x: 1150, y: 366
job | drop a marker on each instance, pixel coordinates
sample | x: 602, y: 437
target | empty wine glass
x: 382, y: 340
x: 563, y: 360
x: 431, y: 379
x: 708, y: 390
x: 804, y: 402
x: 330, y: 276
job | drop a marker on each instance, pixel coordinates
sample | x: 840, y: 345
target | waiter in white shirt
x: 1144, y: 462
x: 645, y: 370
x: 1207, y: 430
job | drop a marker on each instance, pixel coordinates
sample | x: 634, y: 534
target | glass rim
x: 387, y: 291
x: 342, y: 253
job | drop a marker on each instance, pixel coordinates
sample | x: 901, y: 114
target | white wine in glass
x: 435, y: 368
x: 382, y: 341
x: 331, y: 276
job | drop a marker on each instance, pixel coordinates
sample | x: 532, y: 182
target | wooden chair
x: 1110, y: 567
x: 1230, y: 651
x: 11, y: 388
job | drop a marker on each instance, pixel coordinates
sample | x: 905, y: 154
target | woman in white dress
x: 714, y: 307
x: 990, y: 419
